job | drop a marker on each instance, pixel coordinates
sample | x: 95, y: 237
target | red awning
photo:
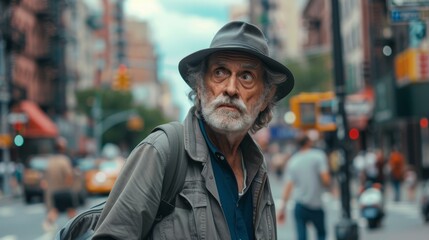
x: 38, y: 125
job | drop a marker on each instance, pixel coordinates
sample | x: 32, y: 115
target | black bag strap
x: 176, y: 168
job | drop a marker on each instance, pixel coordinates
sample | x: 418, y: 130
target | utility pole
x: 265, y: 17
x: 97, y: 113
x: 5, y: 80
x: 121, y: 43
x: 346, y: 229
x: 4, y: 110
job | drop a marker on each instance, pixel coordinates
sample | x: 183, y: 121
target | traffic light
x: 122, y: 80
x: 19, y: 128
x: 354, y: 134
x: 314, y: 111
x: 18, y: 140
x: 424, y: 123
x: 135, y: 123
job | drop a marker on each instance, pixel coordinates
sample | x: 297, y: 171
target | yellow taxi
x: 102, y: 177
x: 33, y: 177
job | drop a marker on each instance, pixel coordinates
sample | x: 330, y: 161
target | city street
x: 19, y: 221
x: 402, y: 221
x: 83, y: 82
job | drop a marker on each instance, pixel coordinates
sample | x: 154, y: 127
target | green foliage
x: 117, y: 101
x: 152, y: 118
x: 312, y: 74
x: 111, y: 101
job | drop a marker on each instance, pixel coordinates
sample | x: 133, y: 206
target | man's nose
x: 232, y: 86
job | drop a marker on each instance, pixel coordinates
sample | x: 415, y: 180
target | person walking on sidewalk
x: 307, y: 177
x: 397, y: 170
x: 58, y: 181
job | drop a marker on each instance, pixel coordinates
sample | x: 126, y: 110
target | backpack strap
x: 83, y: 225
x: 176, y: 168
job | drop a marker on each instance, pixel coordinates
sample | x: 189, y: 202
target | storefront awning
x: 360, y: 108
x: 38, y: 124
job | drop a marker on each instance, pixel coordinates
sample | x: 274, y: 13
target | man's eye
x: 247, y: 77
x: 219, y: 73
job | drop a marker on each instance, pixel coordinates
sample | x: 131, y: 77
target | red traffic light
x: 353, y: 134
x: 424, y: 123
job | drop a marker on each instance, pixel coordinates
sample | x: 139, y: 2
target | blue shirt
x: 238, y: 211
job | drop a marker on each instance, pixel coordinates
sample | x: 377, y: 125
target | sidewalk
x: 4, y: 200
x: 14, y: 195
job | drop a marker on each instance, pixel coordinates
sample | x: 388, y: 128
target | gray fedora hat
x: 242, y: 37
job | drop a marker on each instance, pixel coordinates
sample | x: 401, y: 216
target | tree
x: 116, y: 101
x: 313, y: 73
x: 111, y: 101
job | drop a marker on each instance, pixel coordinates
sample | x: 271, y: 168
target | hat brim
x: 283, y: 89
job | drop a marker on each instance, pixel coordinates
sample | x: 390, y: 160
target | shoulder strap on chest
x: 175, y: 171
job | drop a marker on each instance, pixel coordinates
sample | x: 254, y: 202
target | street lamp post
x: 4, y: 100
x: 346, y: 229
x: 102, y: 125
x: 5, y: 78
x: 96, y: 115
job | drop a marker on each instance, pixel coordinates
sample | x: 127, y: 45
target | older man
x: 226, y: 195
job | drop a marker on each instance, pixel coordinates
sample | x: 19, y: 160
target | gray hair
x: 196, y: 76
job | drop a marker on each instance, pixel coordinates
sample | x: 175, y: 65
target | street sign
x: 407, y: 15
x: 17, y: 118
x: 408, y: 3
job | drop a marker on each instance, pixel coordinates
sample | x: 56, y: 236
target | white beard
x: 227, y: 120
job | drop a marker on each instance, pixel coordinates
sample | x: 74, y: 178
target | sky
x: 179, y: 28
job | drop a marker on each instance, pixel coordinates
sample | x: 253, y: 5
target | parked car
x: 33, y: 175
x: 101, y: 179
x: 85, y: 164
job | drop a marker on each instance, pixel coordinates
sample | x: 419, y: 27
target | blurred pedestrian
x: 410, y: 182
x: 380, y: 163
x: 397, y: 170
x: 277, y: 160
x: 307, y: 177
x: 370, y: 167
x: 58, y: 185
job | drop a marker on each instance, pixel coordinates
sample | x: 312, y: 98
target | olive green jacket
x: 198, y: 213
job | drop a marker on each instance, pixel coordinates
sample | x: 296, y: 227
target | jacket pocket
x: 189, y: 218
x: 266, y: 226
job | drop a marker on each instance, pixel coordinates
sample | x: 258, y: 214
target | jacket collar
x: 195, y: 144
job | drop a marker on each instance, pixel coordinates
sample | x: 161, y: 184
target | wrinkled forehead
x: 244, y: 59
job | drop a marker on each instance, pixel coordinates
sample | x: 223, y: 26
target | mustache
x: 234, y: 102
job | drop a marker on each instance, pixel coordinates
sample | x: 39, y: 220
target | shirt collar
x: 211, y: 146
x: 198, y: 146
x: 218, y: 154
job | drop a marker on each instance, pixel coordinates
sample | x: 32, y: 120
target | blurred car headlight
x: 100, y: 177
